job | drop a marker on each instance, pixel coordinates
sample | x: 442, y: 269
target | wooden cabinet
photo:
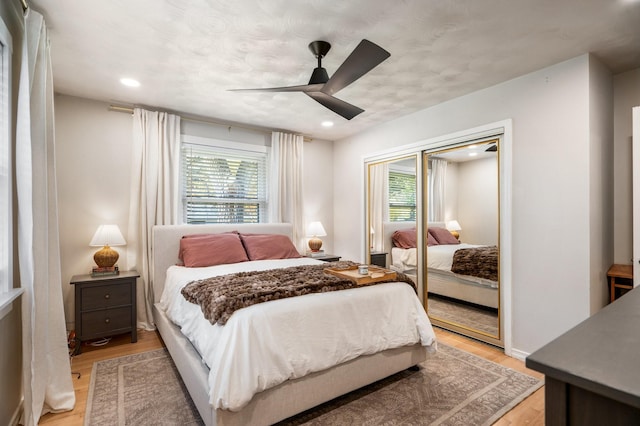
x: 378, y: 258
x: 105, y: 306
x: 592, y: 374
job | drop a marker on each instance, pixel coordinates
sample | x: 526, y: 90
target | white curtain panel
x: 46, y: 363
x: 286, y: 184
x: 155, y: 196
x: 436, y: 189
x: 379, y: 200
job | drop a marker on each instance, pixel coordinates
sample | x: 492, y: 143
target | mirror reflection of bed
x: 462, y: 273
x: 436, y: 189
x: 469, y: 297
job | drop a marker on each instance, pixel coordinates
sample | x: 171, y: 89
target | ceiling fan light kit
x: 321, y: 88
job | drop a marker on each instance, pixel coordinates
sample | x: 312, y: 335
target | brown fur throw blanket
x: 221, y: 296
x: 479, y: 262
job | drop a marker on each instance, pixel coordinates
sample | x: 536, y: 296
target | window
x: 7, y: 292
x: 402, y: 196
x: 223, y: 182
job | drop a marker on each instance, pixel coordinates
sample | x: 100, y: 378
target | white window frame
x: 7, y: 293
x: 222, y: 146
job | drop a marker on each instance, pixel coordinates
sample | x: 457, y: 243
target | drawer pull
x: 106, y: 296
x: 107, y: 321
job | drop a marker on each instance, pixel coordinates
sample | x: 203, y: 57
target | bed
x: 441, y: 280
x: 301, y: 391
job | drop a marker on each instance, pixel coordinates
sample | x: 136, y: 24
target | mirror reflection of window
x: 402, y: 193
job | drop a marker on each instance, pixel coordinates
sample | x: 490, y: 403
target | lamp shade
x: 453, y: 225
x: 107, y: 235
x: 315, y: 229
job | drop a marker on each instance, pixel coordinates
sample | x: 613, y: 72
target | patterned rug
x: 478, y: 318
x: 451, y: 388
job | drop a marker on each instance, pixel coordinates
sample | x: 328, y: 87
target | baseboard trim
x: 17, y: 414
x: 518, y: 354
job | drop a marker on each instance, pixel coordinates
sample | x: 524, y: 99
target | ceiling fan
x: 365, y: 57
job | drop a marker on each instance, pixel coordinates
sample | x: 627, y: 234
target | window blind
x: 221, y: 185
x: 402, y: 197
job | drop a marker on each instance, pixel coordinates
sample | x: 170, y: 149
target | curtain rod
x: 129, y: 110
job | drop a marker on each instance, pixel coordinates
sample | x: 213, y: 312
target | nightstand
x: 327, y: 258
x: 378, y: 258
x: 105, y: 306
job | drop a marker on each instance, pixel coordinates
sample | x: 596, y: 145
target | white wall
x: 478, y: 201
x: 600, y: 181
x: 550, y: 188
x: 93, y: 163
x: 93, y: 148
x: 626, y: 93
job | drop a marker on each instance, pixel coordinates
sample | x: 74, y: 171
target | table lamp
x: 106, y: 236
x: 315, y: 230
x: 453, y: 226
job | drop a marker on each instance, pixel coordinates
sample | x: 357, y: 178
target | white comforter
x: 265, y: 344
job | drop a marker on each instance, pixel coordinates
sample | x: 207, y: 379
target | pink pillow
x: 443, y: 236
x: 180, y: 253
x: 212, y: 249
x: 268, y: 246
x: 405, y: 238
x: 431, y: 241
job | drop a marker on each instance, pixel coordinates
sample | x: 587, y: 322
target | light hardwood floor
x: 528, y: 412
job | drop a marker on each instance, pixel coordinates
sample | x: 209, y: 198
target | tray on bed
x: 375, y: 274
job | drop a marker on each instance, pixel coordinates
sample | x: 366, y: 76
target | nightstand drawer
x: 107, y: 321
x: 105, y: 296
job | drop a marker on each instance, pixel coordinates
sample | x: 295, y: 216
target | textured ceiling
x: 187, y: 54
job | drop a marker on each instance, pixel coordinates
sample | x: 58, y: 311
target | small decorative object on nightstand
x: 378, y: 258
x: 105, y: 306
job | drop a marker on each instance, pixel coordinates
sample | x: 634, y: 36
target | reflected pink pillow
x: 431, y: 241
x: 443, y: 236
x: 268, y: 246
x: 212, y: 249
x: 405, y: 238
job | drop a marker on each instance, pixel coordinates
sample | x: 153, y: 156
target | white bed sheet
x: 266, y: 344
x: 404, y: 259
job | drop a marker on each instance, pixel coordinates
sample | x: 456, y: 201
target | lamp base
x: 106, y: 257
x: 315, y: 243
x: 455, y: 234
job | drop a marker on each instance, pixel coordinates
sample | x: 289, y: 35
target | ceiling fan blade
x: 336, y: 105
x: 301, y: 88
x: 365, y: 57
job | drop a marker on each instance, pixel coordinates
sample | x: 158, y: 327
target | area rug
x: 451, y: 387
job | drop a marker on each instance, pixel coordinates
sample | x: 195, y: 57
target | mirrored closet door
x: 392, y: 205
x: 461, y: 238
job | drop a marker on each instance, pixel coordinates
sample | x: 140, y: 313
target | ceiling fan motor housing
x: 319, y: 76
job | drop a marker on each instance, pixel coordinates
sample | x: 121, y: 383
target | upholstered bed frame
x: 445, y: 284
x: 286, y: 399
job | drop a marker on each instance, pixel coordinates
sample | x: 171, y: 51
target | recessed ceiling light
x: 472, y: 146
x: 327, y: 124
x: 130, y: 82
x: 473, y: 154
